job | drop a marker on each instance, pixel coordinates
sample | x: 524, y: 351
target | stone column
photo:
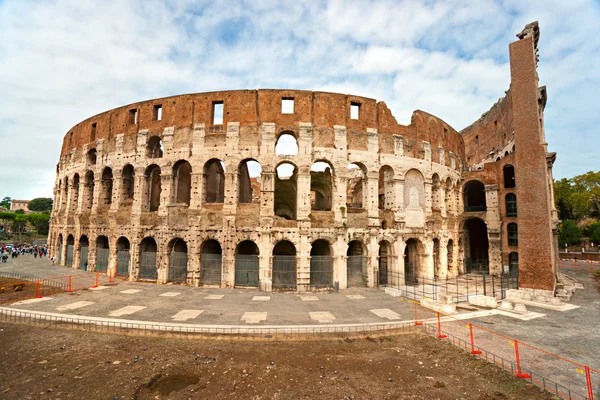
x: 303, y: 263
x: 373, y: 261
x: 117, y: 190
x: 372, y: 205
x: 196, y: 190
x: 340, y: 270
x: 166, y: 192
x: 442, y: 273
x: 265, y: 262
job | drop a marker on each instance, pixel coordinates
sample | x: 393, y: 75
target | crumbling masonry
x: 300, y: 190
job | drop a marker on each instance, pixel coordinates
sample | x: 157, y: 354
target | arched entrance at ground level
x: 102, y: 254
x: 60, y: 247
x: 84, y: 247
x: 411, y: 262
x: 321, y: 265
x: 211, y: 257
x: 476, y: 246
x: 385, y: 253
x: 178, y: 261
x: 70, y: 250
x: 246, y: 264
x: 356, y: 265
x: 148, y: 250
x: 123, y: 256
x: 284, y: 265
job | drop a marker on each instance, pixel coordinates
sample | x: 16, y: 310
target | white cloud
x: 66, y: 60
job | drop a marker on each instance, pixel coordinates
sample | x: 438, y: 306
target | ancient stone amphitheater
x: 300, y: 190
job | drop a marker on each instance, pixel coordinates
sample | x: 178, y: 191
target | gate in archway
x: 321, y: 272
x: 70, y: 252
x: 246, y: 270
x: 210, y: 269
x: 83, y: 257
x: 148, y: 266
x: 284, y: 272
x: 178, y: 266
x: 123, y: 257
x: 102, y: 259
x: 356, y: 271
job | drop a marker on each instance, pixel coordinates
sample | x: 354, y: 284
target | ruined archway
x: 412, y: 260
x: 384, y: 263
x: 286, y: 144
x: 246, y: 264
x: 286, y: 177
x: 153, y: 188
x: 107, y: 186
x: 84, y: 247
x: 356, y: 187
x: 474, y: 196
x: 123, y: 256
x: 284, y: 265
x: 102, y: 254
x: 476, y: 246
x: 249, y: 181
x: 356, y: 264
x: 321, y: 265
x: 148, y: 252
x: 386, y: 197
x: 178, y: 260
x: 321, y: 186
x: 182, y: 182
x: 127, y: 182
x: 154, y: 147
x: 70, y: 250
x: 91, y: 157
x: 214, y: 181
x: 211, y: 256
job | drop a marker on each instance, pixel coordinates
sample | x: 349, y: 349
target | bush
x: 594, y: 231
x: 569, y: 234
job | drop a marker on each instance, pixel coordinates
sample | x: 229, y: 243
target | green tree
x: 40, y: 204
x: 7, y: 216
x: 569, y: 233
x: 19, y: 211
x: 19, y: 224
x: 5, y: 203
x: 40, y: 222
x: 562, y: 198
x: 594, y: 231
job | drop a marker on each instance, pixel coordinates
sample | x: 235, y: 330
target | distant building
x: 19, y: 205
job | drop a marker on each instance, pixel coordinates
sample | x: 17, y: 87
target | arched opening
x: 246, y: 264
x: 474, y: 196
x: 436, y: 194
x: 509, y: 176
x: 321, y: 186
x: 511, y: 205
x: 249, y: 181
x: 513, y: 263
x: 356, y: 264
x: 356, y: 187
x: 182, y: 181
x: 128, y: 180
x: 214, y: 181
x: 513, y: 234
x: 70, y: 250
x: 107, y: 186
x: 286, y: 145
x: 284, y: 265
x: 91, y: 157
x: 154, y: 147
x: 476, y: 246
x: 451, y: 255
x: 102, y: 254
x: 88, y: 192
x: 84, y: 247
x: 123, y: 256
x: 386, y: 198
x: 75, y: 193
x: 321, y: 265
x: 436, y: 257
x: 65, y: 194
x: 148, y: 250
x: 153, y: 188
x: 178, y: 260
x: 384, y: 263
x: 210, y: 263
x: 60, y: 248
x: 411, y: 262
x: 286, y: 177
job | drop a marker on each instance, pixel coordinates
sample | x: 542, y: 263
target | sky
x: 63, y: 61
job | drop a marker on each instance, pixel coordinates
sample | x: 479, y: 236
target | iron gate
x: 210, y: 269
x: 321, y: 272
x: 148, y: 266
x: 102, y: 259
x: 383, y: 270
x: 83, y: 257
x: 123, y: 257
x: 70, y: 251
x: 178, y: 266
x: 284, y: 272
x: 410, y: 276
x: 246, y: 270
x: 355, y: 271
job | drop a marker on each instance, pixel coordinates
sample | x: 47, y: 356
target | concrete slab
x: 184, y: 315
x: 309, y: 298
x: 128, y: 310
x: 76, y: 305
x: 170, y: 294
x: 386, y: 313
x: 130, y: 291
x: 261, y: 298
x: 214, y: 297
x: 31, y: 301
x: 355, y: 296
x: 254, y: 317
x: 322, y: 316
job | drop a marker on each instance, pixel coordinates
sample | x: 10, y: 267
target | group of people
x: 16, y: 251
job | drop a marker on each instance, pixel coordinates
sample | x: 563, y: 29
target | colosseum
x: 301, y: 190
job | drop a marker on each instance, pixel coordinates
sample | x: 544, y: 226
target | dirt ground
x: 27, y: 292
x: 42, y: 363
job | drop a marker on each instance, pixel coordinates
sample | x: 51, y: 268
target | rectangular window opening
x: 133, y: 116
x: 217, y: 113
x: 93, y: 134
x: 158, y: 112
x: 354, y: 110
x: 287, y: 105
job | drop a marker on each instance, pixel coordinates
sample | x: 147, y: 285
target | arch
x: 128, y: 182
x: 513, y: 263
x: 182, y: 182
x: 512, y: 232
x: 84, y: 247
x: 386, y: 198
x: 75, y: 192
x: 321, y: 264
x: 249, y: 181
x: 153, y: 188
x: 508, y: 173
x: 154, y: 147
x: 123, y: 256
x: 356, y: 186
x: 356, y: 264
x: 506, y: 154
x: 321, y: 185
x: 286, y: 177
x: 436, y: 257
x: 436, y: 193
x: 414, y: 190
x: 70, y: 250
x: 412, y: 261
x: 211, y: 256
x: 284, y: 265
x: 60, y: 247
x: 148, y: 252
x: 178, y: 260
x: 474, y: 196
x: 107, y: 186
x: 476, y: 245
x: 449, y: 196
x: 102, y: 253
x: 384, y: 263
x: 91, y: 157
x: 65, y: 194
x: 511, y: 204
x: 246, y: 264
x: 214, y: 181
x: 286, y: 144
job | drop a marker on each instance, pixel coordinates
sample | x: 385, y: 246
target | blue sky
x: 63, y: 61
